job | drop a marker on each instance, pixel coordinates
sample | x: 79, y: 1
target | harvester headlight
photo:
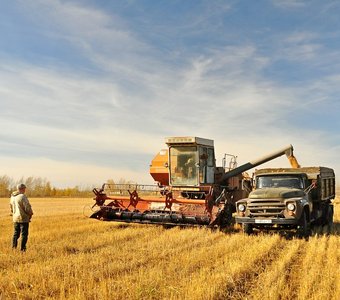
x: 291, y: 206
x: 241, y: 207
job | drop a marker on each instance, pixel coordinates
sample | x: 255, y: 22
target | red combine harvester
x: 191, y: 190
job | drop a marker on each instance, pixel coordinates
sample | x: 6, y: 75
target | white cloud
x: 299, y: 47
x: 74, y: 19
x: 74, y: 121
x: 56, y: 97
x: 301, y: 52
x: 301, y: 37
x: 290, y: 3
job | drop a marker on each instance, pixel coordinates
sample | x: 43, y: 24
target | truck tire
x: 303, y: 230
x: 328, y: 227
x: 247, y: 228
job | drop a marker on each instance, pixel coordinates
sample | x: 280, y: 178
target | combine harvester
x: 190, y: 189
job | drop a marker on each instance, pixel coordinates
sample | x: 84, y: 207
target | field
x: 70, y: 256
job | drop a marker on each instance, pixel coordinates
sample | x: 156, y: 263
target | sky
x: 89, y: 89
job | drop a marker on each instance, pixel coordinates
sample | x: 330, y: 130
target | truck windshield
x: 279, y: 181
x: 183, y: 165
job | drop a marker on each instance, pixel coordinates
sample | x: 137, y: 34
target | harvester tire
x: 226, y: 217
x: 247, y: 228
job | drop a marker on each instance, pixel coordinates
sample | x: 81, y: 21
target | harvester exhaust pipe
x: 288, y: 151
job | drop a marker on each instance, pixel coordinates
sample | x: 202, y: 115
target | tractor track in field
x: 291, y: 274
x: 243, y: 285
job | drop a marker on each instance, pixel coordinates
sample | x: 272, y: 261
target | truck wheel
x: 303, y: 230
x: 328, y: 227
x: 247, y: 228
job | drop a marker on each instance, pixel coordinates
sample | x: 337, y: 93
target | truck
x: 289, y: 199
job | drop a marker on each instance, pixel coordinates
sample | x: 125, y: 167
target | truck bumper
x: 266, y: 221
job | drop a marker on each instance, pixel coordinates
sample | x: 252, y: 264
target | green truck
x: 289, y: 199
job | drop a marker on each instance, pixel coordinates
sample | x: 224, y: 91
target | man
x: 22, y: 213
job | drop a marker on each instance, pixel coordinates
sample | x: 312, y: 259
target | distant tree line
x: 41, y: 187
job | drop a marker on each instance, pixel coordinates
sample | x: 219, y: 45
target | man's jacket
x: 21, y: 208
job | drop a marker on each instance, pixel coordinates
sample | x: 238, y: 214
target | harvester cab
x: 191, y: 161
x: 188, y: 162
x: 190, y: 190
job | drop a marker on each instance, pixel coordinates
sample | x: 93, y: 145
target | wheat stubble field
x: 72, y: 257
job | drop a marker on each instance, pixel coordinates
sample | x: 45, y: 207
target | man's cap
x: 21, y: 186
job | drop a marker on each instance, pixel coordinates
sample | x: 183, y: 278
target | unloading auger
x: 191, y: 189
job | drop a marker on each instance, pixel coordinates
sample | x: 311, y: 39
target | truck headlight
x: 241, y: 207
x: 291, y: 206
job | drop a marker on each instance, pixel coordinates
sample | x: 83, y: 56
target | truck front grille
x: 266, y: 208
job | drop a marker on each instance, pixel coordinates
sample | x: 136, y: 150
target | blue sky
x: 89, y: 89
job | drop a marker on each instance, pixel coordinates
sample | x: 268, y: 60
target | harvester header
x: 190, y: 190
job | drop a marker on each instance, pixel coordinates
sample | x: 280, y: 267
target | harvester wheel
x: 224, y: 218
x: 227, y: 216
x: 247, y: 228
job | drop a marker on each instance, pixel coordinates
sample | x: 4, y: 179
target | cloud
x: 112, y: 117
x: 300, y: 46
x: 290, y: 3
x: 301, y: 37
x: 75, y: 19
x: 86, y: 119
x: 56, y: 98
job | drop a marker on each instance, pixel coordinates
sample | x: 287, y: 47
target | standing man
x: 22, y: 213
